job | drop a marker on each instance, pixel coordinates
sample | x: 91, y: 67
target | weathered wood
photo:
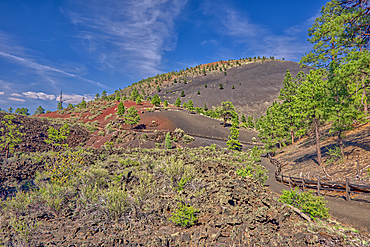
x: 318, y: 186
x: 347, y: 190
x: 303, y: 215
x: 290, y: 181
x: 303, y: 185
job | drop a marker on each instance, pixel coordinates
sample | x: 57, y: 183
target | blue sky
x: 85, y: 47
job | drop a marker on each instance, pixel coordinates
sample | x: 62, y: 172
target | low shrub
x: 315, y: 206
x: 187, y: 139
x: 184, y: 216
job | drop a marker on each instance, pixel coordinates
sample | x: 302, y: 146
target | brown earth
x: 35, y: 130
x: 300, y: 159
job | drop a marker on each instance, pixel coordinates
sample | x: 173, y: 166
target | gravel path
x: 355, y: 212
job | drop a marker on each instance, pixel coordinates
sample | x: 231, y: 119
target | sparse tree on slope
x: 226, y: 111
x: 132, y: 116
x: 178, y: 102
x: 10, y: 134
x: 120, y: 110
x: 156, y: 100
x: 40, y: 110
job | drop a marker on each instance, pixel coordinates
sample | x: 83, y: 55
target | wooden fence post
x: 318, y: 186
x: 348, y: 198
x: 303, y: 185
x: 282, y: 179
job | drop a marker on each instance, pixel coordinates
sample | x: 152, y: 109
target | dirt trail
x: 355, y: 212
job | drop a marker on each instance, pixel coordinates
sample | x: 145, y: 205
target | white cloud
x: 2, y: 93
x: 127, y: 36
x: 74, y: 98
x: 16, y: 99
x: 16, y: 95
x: 39, y: 95
x: 40, y: 67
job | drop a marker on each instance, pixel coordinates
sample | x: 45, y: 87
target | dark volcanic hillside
x: 256, y: 86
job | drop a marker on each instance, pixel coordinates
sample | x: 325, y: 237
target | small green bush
x: 187, y: 139
x: 101, y: 133
x: 315, y: 206
x: 184, y: 216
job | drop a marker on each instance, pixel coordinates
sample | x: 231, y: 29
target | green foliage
x: 243, y: 119
x: 205, y: 85
x: 335, y: 155
x: 40, y: 110
x: 10, y: 134
x: 22, y: 111
x: 221, y: 86
x: 56, y: 137
x: 138, y: 100
x: 333, y: 35
x: 178, y: 102
x: 132, y: 116
x: 250, y: 122
x: 168, y: 141
x: 226, y: 111
x: 184, y: 216
x: 104, y: 95
x: 165, y: 103
x: 60, y: 106
x: 187, y: 139
x: 205, y: 108
x: 109, y: 145
x: 156, y: 100
x: 83, y: 103
x: 120, y: 110
x: 190, y: 105
x: 182, y: 93
x: 97, y: 96
x: 10, y: 110
x: 315, y: 206
x: 233, y: 143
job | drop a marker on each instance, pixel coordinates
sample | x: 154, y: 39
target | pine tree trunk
x: 363, y: 96
x: 317, y: 141
x: 292, y: 135
x: 340, y: 143
x: 224, y: 122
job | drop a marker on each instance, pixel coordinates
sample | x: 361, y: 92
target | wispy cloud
x: 39, y: 95
x: 16, y: 99
x: 74, y: 98
x: 16, y: 95
x: 40, y: 67
x: 127, y: 36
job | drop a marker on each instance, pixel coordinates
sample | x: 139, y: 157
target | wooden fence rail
x: 303, y: 183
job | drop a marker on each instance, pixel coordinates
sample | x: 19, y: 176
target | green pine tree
x: 312, y: 97
x: 11, y: 134
x: 60, y: 106
x: 83, y: 103
x: 178, y: 102
x: 120, y: 110
x: 132, y: 116
x: 156, y: 100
